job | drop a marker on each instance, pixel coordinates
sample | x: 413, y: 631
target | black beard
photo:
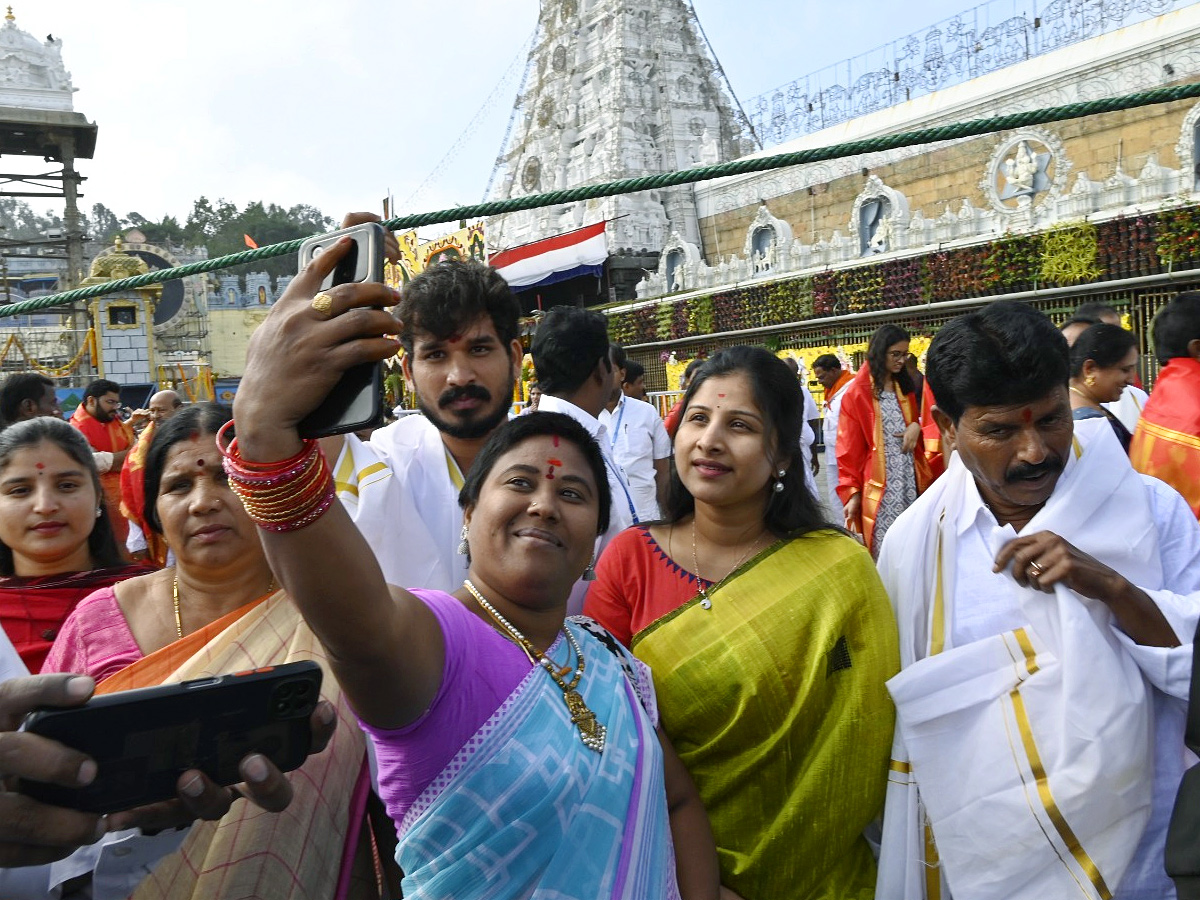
x: 469, y: 429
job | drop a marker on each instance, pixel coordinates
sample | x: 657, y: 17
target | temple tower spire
x: 615, y: 89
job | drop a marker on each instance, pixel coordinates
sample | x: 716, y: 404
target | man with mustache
x: 462, y: 356
x: 98, y: 417
x: 1046, y: 597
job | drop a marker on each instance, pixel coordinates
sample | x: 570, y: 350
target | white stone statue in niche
x: 677, y: 277
x: 1024, y: 172
x: 881, y: 240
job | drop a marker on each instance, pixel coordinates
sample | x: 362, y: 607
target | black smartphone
x: 356, y: 401
x: 143, y: 740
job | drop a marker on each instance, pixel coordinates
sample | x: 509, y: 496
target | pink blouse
x: 95, y: 640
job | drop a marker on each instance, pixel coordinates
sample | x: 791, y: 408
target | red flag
x: 249, y: 242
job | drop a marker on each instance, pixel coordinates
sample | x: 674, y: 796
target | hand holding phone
x: 356, y: 401
x: 142, y: 741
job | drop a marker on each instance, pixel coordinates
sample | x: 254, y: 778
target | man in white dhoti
x: 1046, y: 596
x: 462, y: 356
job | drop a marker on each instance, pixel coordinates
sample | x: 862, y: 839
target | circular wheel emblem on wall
x: 1025, y: 170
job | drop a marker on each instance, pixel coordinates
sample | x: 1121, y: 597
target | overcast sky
x: 335, y: 103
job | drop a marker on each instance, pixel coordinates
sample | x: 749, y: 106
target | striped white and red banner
x: 579, y: 252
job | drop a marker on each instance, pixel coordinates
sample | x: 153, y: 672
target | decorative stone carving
x: 1186, y: 149
x: 677, y: 262
x: 1082, y: 199
x: 32, y: 75
x: 1027, y: 169
x: 633, y: 81
x: 1120, y: 189
x: 764, y: 237
x: 879, y: 212
x: 1156, y: 181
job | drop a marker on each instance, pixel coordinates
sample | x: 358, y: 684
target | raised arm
x: 385, y: 646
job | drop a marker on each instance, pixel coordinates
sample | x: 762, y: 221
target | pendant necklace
x: 706, y: 601
x: 591, y: 732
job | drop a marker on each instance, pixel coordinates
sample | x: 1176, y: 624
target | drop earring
x: 778, y: 487
x: 99, y: 511
x: 589, y: 574
x: 464, y: 548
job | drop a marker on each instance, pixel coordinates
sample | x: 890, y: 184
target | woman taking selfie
x: 56, y: 540
x: 532, y: 736
x: 770, y: 637
x: 219, y: 610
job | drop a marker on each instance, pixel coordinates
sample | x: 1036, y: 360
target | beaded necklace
x: 591, y: 732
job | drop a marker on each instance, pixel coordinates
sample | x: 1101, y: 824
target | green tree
x: 103, y: 223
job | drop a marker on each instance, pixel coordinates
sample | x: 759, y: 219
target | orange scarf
x: 133, y: 497
x: 1166, y: 443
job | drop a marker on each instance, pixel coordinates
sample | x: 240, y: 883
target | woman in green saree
x: 770, y: 637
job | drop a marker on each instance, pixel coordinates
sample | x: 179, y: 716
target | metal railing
x: 986, y: 38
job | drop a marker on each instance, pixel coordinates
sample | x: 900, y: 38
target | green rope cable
x: 648, y: 182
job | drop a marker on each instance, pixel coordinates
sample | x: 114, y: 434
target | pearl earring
x: 778, y: 488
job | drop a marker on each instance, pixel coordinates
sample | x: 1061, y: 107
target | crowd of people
x: 583, y: 653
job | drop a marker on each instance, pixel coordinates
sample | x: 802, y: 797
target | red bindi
x: 41, y: 465
x: 1027, y: 415
x: 722, y: 396
x: 554, y: 462
x: 200, y: 464
x: 555, y: 436
x: 454, y: 338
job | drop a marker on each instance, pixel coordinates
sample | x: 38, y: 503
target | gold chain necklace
x: 175, y: 602
x: 591, y: 732
x: 706, y: 602
x: 1089, y: 399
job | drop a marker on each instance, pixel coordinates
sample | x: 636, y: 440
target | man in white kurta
x: 1046, y: 596
x: 641, y: 449
x: 401, y: 486
x: 577, y: 374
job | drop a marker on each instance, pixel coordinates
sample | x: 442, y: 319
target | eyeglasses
x: 897, y: 354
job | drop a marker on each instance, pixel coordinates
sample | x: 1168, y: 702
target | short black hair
x: 877, y: 350
x: 570, y: 341
x: 100, y: 387
x: 1177, y: 325
x: 1093, y: 312
x: 194, y: 421
x: 618, y: 355
x: 827, y: 361
x: 794, y: 510
x: 102, y: 543
x: 1104, y: 344
x: 633, y: 371
x: 448, y: 296
x: 1005, y: 353
x: 538, y: 424
x: 17, y: 389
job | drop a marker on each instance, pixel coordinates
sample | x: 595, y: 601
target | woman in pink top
x: 219, y: 610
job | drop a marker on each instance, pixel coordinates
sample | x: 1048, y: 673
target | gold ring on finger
x: 1037, y: 570
x: 323, y: 304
